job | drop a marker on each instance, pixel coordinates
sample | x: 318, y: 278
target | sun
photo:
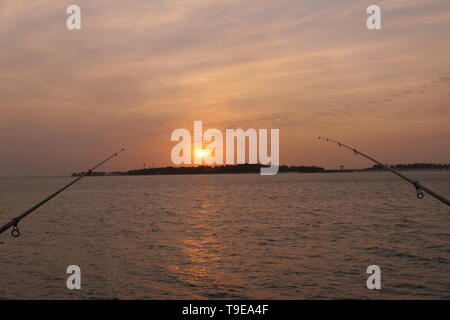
x: 201, y: 153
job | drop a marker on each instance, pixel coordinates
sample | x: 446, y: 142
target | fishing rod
x: 15, y: 221
x: 419, y: 186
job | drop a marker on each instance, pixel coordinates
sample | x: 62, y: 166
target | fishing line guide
x: 15, y: 221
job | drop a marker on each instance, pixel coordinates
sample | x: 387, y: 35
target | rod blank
x: 15, y: 221
x: 419, y: 186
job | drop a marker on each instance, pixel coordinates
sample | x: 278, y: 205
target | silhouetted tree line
x: 240, y: 168
x: 256, y: 168
x: 98, y: 174
x: 414, y: 166
x: 77, y: 174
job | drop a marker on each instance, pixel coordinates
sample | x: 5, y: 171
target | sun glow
x: 201, y: 153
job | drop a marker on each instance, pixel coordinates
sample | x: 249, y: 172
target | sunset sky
x: 139, y: 69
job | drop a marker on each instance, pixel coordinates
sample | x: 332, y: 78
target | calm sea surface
x: 290, y: 236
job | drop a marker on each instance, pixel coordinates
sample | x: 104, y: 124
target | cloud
x: 137, y: 70
x: 408, y: 4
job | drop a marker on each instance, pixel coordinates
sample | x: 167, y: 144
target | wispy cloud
x: 137, y: 70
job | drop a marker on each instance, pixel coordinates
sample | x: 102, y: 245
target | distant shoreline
x: 113, y: 174
x: 255, y: 169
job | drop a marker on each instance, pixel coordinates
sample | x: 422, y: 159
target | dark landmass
x: 256, y: 168
x: 240, y: 168
x: 414, y: 166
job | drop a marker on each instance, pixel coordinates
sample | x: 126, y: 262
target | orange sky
x: 139, y: 69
